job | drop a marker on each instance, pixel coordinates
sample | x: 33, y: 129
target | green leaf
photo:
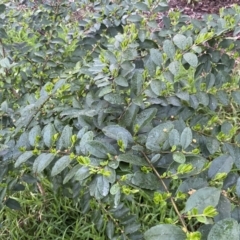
x: 158, y: 135
x: 179, y: 157
x: 146, y: 180
x: 238, y: 187
x: 174, y: 138
x: 169, y: 48
x: 156, y: 56
x: 2, y: 8
x: 60, y: 165
x: 97, y: 149
x: 48, y: 132
x: 225, y: 229
x: 129, y: 115
x: 180, y: 41
x: 114, y: 98
x: 71, y: 173
x: 142, y: 6
x: 202, y: 198
x: 186, y: 137
x: 236, y: 96
x: 42, y: 161
x: 64, y: 141
x: 174, y: 67
x: 34, y: 132
x: 117, y: 132
x: 165, y: 232
x: 137, y: 83
x: 191, y: 59
x: 23, y: 158
x: 134, y: 18
x: 88, y: 136
x: 13, y: 204
x: 192, y: 183
x: 82, y: 173
x: 144, y: 117
x: 132, y: 159
x: 99, y: 187
x: 110, y: 229
x: 222, y: 164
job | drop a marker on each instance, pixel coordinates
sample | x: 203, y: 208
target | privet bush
x: 127, y: 109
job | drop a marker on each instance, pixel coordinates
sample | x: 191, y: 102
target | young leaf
x: 164, y: 232
x: 225, y: 229
x: 203, y: 198
x: 179, y: 157
x: 60, y: 165
x: 222, y: 164
x: 186, y: 137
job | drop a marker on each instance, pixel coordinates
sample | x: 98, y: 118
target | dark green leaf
x: 146, y: 180
x: 99, y: 187
x: 13, y: 204
x: 202, y: 198
x: 180, y: 41
x: 222, y: 164
x: 132, y: 159
x: 23, y: 158
x: 225, y: 229
x: 169, y: 48
x: 165, y: 232
x: 158, y: 135
x: 156, y: 56
x: 144, y: 117
x: 60, y: 165
x: 82, y: 173
x: 42, y: 161
x: 186, y: 137
x: 191, y: 59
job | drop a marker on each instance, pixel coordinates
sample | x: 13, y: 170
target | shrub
x: 134, y: 120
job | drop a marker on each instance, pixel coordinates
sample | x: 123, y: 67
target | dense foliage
x: 134, y: 118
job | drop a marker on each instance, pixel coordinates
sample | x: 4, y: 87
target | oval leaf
x: 222, y: 164
x: 191, y: 59
x: 186, y: 137
x: 225, y: 229
x: 23, y: 158
x: 165, y: 232
x: 60, y: 165
x: 202, y: 198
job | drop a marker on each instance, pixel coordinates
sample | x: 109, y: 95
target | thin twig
x: 166, y: 189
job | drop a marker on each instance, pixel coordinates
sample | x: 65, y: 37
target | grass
x: 48, y: 216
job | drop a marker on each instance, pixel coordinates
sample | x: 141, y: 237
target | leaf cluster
x: 118, y: 111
